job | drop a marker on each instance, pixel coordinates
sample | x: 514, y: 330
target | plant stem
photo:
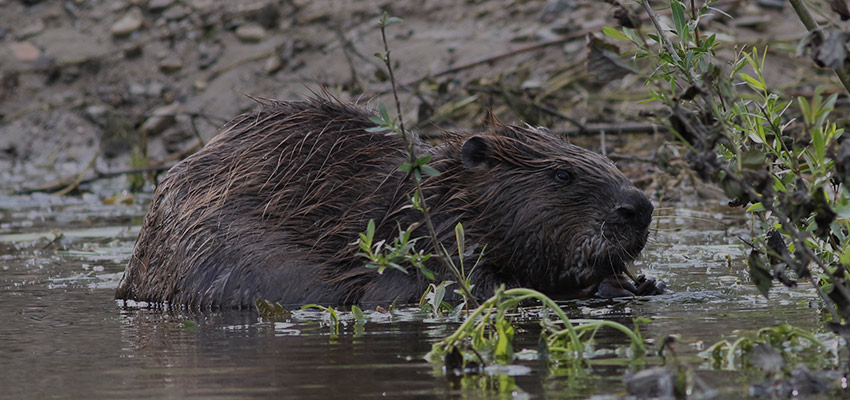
x: 810, y: 24
x: 411, y: 151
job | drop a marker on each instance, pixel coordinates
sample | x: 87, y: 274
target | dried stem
x: 810, y: 24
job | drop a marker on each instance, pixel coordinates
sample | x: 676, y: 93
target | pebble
x: 208, y: 54
x: 176, y: 13
x: 159, y: 5
x: 129, y: 23
x: 273, y: 64
x: 201, y: 5
x: 97, y: 114
x: 161, y: 118
x: 25, y: 51
x: 251, y: 32
x: 31, y: 29
x: 170, y: 64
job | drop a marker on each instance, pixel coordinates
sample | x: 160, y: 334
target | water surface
x: 63, y: 336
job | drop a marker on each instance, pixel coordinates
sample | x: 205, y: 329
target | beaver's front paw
x: 622, y: 286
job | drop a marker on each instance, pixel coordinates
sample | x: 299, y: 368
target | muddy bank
x: 91, y: 82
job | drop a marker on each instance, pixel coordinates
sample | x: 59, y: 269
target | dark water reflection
x: 62, y: 335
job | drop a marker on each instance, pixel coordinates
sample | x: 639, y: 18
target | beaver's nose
x: 633, y: 208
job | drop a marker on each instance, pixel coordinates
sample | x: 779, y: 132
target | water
x: 63, y: 336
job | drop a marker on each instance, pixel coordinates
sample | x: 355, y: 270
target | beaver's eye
x: 562, y: 176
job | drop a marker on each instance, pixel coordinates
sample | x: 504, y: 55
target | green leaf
x: 370, y: 229
x: 422, y: 160
x: 332, y: 312
x: 398, y: 267
x: 460, y: 237
x: 614, y: 34
x: 429, y: 171
x: 189, y: 325
x: 805, y: 110
x: 756, y: 207
x: 759, y: 273
x: 271, y: 311
x: 358, y: 314
x: 385, y: 115
x: 404, y: 167
x: 439, y: 295
x: 427, y: 272
x: 680, y: 21
x: 504, y: 350
x: 753, y: 159
x: 755, y: 83
x: 392, y: 20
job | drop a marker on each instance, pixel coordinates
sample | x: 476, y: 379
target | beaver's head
x: 554, y: 216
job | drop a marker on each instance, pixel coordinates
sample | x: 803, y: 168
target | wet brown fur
x: 271, y: 206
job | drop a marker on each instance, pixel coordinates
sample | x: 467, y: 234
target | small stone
x: 25, y: 51
x: 132, y: 51
x: 272, y: 64
x: 201, y: 5
x: 137, y: 90
x: 200, y: 84
x: 155, y: 89
x: 159, y: 5
x: 251, y: 33
x: 268, y: 16
x: 129, y: 23
x: 161, y: 118
x: 208, y: 53
x: 171, y: 64
x: 176, y: 13
x: 97, y: 114
x: 31, y: 29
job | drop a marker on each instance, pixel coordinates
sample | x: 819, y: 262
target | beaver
x: 272, y: 208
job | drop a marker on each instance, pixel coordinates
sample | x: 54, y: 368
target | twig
x: 538, y: 105
x: 79, y: 179
x: 409, y: 141
x: 100, y: 175
x: 496, y: 57
x: 355, y: 82
x: 810, y: 24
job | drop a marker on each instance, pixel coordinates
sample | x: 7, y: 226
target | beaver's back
x: 256, y: 200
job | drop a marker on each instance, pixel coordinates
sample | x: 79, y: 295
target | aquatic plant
x: 486, y: 335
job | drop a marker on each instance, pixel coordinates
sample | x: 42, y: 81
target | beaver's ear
x: 475, y: 152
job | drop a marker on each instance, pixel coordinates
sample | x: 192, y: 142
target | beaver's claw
x: 622, y: 286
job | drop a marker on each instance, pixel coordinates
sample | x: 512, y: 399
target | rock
x: 251, y: 32
x: 97, y: 114
x: 31, y: 29
x: 268, y: 16
x: 208, y: 53
x: 155, y: 89
x: 272, y: 64
x: 176, y: 13
x: 70, y: 47
x: 161, y: 118
x: 201, y: 5
x: 170, y: 64
x: 129, y: 23
x: 137, y: 91
x: 159, y: 5
x: 25, y: 51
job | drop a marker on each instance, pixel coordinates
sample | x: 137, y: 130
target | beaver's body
x: 271, y: 208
